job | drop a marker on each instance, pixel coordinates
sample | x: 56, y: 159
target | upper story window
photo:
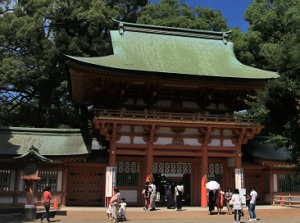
x: 5, y: 176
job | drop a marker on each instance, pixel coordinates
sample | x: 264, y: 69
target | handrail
x: 285, y: 199
x: 171, y: 116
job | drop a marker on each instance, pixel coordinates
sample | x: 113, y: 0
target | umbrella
x: 212, y: 185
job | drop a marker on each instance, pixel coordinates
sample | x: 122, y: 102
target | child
x: 122, y: 209
x: 109, y: 212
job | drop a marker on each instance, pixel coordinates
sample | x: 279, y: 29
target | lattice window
x: 5, y: 179
x: 215, y: 172
x: 48, y: 178
x: 127, y: 173
x: 172, y: 168
x: 288, y: 183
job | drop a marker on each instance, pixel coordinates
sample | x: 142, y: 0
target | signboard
x: 243, y: 194
x: 239, y: 178
x: 111, y: 181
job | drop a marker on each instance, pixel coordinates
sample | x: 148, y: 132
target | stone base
x: 30, y: 212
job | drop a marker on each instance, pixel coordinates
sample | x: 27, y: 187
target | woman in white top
x: 236, y: 199
x: 179, y: 190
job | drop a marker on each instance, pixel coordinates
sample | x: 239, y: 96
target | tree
x: 274, y: 44
x: 176, y: 13
x: 34, y: 36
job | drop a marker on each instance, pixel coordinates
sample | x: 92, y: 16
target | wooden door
x: 85, y: 187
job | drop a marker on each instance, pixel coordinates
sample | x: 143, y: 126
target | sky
x: 232, y: 10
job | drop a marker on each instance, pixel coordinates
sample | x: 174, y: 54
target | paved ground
x: 265, y: 214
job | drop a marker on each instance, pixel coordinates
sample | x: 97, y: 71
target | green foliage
x: 273, y: 43
x: 175, y: 13
x: 34, y: 36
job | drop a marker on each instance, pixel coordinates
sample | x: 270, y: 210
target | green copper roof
x: 48, y: 142
x: 173, y: 50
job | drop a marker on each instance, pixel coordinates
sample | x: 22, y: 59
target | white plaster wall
x: 190, y: 104
x: 129, y: 195
x: 215, y: 142
x: 275, y: 183
x: 228, y: 143
x: 129, y: 101
x: 163, y: 141
x: 138, y: 140
x: 12, y: 180
x: 124, y: 140
x: 140, y: 102
x: 59, y: 181
x: 211, y: 106
x: 222, y: 106
x: 23, y: 200
x: 191, y: 142
x: 21, y: 185
x: 7, y: 199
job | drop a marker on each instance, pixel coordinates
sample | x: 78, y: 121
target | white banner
x: 111, y: 181
x: 239, y: 178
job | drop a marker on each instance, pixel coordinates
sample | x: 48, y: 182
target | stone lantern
x: 31, y: 160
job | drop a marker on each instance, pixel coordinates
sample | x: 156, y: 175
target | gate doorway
x: 163, y: 180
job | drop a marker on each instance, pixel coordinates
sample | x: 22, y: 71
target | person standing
x: 46, y: 199
x: 211, y: 201
x: 122, y: 209
x: 153, y: 196
x: 114, y: 202
x: 169, y: 196
x: 147, y: 195
x: 219, y: 200
x: 228, y: 195
x: 252, y: 203
x: 179, y: 190
x: 237, y: 206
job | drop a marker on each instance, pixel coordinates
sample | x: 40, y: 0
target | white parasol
x: 212, y: 185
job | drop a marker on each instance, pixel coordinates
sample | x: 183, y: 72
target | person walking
x: 211, y: 201
x: 228, y: 195
x: 46, y: 199
x: 153, y: 196
x: 237, y: 206
x: 114, y: 202
x: 179, y: 190
x: 252, y: 203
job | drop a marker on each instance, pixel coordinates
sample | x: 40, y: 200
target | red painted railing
x: 169, y: 116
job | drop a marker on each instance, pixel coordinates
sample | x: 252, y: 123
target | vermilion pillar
x: 204, y: 172
x: 112, y: 148
x: 149, y: 164
x: 238, y: 157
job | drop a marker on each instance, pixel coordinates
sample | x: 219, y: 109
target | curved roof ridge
x: 175, y: 31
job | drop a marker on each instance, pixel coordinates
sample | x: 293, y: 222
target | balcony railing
x: 173, y: 117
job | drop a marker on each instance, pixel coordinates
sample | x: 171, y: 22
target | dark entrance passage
x: 162, y: 181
